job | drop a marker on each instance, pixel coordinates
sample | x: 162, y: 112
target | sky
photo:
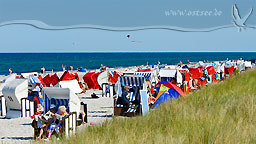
x: 120, y: 14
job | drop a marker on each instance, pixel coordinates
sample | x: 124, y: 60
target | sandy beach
x: 19, y: 130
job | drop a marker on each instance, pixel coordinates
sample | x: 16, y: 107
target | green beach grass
x: 223, y: 112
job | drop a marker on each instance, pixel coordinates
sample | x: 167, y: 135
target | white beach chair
x: 248, y: 64
x: 167, y: 74
x: 71, y: 84
x: 13, y: 92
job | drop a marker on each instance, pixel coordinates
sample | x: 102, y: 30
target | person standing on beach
x: 10, y: 71
x: 42, y: 70
x: 63, y: 67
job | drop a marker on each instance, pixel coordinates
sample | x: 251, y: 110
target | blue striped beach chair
x: 131, y: 112
x: 137, y: 82
x: 147, y: 75
x: 63, y: 97
x: 60, y: 97
x: 33, y: 79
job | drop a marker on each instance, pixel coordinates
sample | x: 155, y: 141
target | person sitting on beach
x: 148, y: 83
x: 154, y: 94
x: 82, y: 116
x: 83, y: 87
x: 151, y: 99
x: 86, y: 86
x: 38, y: 121
x: 56, y: 126
x: 126, y: 95
x: 125, y: 99
x: 39, y: 110
x: 174, y: 81
x: 192, y: 84
x: 46, y: 120
x: 205, y: 75
x: 158, y: 79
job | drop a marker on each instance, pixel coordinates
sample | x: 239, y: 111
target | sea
x: 32, y: 62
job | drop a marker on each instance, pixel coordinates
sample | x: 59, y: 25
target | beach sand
x: 19, y: 130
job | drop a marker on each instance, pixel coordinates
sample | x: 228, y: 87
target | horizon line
x: 122, y: 51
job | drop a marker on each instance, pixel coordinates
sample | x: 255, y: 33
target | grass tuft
x: 220, y: 113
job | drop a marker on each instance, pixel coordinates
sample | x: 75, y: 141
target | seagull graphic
x: 238, y: 21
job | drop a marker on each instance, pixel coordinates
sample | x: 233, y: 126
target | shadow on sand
x: 97, y: 111
x: 16, y: 138
x: 27, y: 124
x: 100, y: 116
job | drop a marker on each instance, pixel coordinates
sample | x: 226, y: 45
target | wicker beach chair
x: 64, y: 97
x: 138, y: 83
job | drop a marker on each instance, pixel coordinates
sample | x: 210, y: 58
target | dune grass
x: 220, y: 113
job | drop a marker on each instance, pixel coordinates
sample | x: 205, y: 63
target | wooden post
x: 111, y: 91
x: 3, y: 106
x: 28, y: 107
x: 103, y: 89
x: 86, y: 114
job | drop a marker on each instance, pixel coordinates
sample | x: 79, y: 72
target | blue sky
x: 121, y: 14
